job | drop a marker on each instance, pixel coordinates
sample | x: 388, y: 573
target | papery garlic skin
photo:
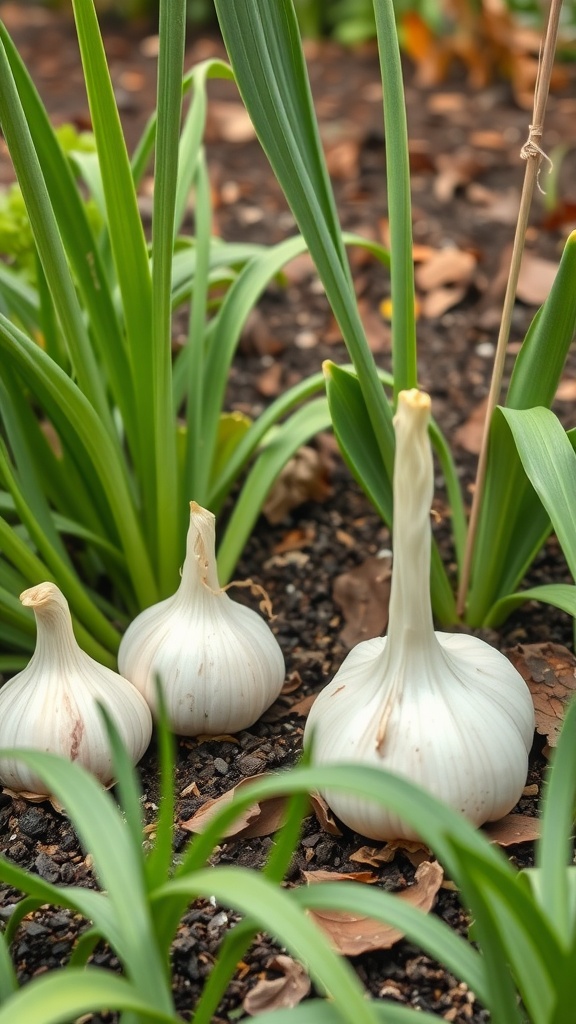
x: 51, y: 705
x: 218, y: 662
x: 445, y: 710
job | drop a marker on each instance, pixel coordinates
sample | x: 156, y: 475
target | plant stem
x: 533, y: 155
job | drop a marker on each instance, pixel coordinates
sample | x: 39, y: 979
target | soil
x: 467, y: 177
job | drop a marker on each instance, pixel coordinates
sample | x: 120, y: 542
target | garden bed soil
x: 467, y: 174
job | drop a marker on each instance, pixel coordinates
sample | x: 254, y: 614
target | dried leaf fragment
x: 513, y: 829
x: 363, y: 595
x: 353, y: 934
x: 261, y: 819
x: 550, y: 672
x: 284, y: 992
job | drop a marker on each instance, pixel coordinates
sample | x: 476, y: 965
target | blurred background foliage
x: 352, y: 21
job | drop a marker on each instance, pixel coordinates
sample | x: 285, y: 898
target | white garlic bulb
x: 445, y: 710
x: 51, y: 705
x: 219, y: 664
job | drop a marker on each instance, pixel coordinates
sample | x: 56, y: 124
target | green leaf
x: 549, y: 462
x: 560, y: 595
x: 554, y: 851
x: 539, y: 364
x: 314, y: 1011
x: 60, y: 996
x: 427, y: 931
x: 265, y: 51
x: 117, y: 862
x: 404, y: 366
x: 275, y: 912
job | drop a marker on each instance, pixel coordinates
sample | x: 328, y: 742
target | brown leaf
x: 304, y: 478
x: 363, y: 595
x: 373, y: 855
x: 535, y: 280
x: 469, y: 434
x: 512, y: 829
x: 447, y: 266
x: 321, y: 875
x: 259, y: 820
x: 324, y: 814
x: 550, y: 671
x: 301, y: 707
x: 454, y: 171
x: 269, y: 382
x: 566, y: 390
x: 284, y: 992
x: 440, y: 300
x: 352, y: 934
x: 377, y: 331
x: 228, y: 122
x: 295, y: 540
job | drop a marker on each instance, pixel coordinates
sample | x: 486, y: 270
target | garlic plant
x: 218, y: 662
x: 51, y: 705
x: 444, y: 710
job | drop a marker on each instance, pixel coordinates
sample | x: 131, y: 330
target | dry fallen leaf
x: 447, y: 266
x: 284, y: 992
x: 228, y: 121
x: 321, y: 875
x: 512, y: 829
x: 363, y: 594
x: 259, y: 820
x: 566, y: 390
x: 535, y: 280
x: 304, y: 478
x: 469, y: 434
x: 550, y: 671
x: 324, y: 814
x: 352, y: 934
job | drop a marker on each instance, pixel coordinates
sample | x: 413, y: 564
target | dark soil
x: 455, y: 129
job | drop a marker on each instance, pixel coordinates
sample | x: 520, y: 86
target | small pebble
x: 221, y: 766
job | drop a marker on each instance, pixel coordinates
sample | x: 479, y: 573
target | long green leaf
x: 316, y: 1012
x: 117, y: 862
x: 61, y: 996
x: 404, y: 366
x: 540, y: 362
x: 278, y: 914
x: 48, y: 240
x: 77, y: 236
x: 549, y: 462
x: 265, y: 51
x: 77, y: 421
x: 554, y: 850
x: 513, y: 524
x: 427, y: 931
x: 166, y: 539
x: 559, y: 595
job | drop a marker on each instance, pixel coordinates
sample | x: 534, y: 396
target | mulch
x: 466, y: 180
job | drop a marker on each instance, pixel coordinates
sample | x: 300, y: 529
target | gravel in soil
x: 466, y: 182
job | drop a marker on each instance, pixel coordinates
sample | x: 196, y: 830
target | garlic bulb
x: 218, y: 662
x: 445, y: 710
x: 51, y: 704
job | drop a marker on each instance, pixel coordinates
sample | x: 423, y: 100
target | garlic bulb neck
x: 54, y: 634
x: 444, y: 710
x: 410, y: 623
x: 52, y: 705
x: 218, y: 662
x: 199, y: 570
